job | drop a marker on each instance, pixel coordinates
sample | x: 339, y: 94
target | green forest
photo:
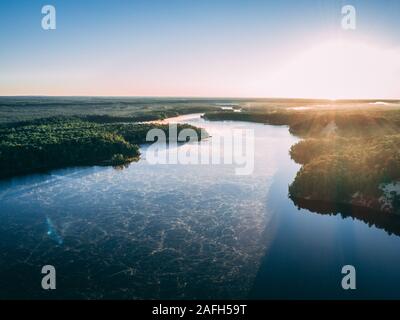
x: 42, y: 133
x: 347, y: 155
x: 98, y: 109
x: 58, y: 142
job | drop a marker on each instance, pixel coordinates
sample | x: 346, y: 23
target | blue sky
x: 184, y: 47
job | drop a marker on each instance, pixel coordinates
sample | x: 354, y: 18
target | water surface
x: 186, y: 231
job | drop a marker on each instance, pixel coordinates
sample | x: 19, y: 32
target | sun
x: 340, y: 69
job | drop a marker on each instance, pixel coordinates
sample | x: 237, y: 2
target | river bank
x: 64, y: 142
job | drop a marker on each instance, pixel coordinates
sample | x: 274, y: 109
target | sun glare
x: 341, y: 70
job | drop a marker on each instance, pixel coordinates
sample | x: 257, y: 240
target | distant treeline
x: 316, y: 123
x: 100, y: 110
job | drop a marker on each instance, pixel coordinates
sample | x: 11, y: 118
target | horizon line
x: 197, y: 97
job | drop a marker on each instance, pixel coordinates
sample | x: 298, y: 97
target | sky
x: 201, y: 48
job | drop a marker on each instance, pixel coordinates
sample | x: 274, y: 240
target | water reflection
x: 381, y: 220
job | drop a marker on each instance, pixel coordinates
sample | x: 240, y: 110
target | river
x: 186, y: 231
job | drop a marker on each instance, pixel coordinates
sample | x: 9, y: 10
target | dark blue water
x: 186, y: 231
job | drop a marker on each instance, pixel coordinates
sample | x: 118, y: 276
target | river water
x: 186, y: 231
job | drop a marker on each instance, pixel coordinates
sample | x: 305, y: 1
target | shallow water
x: 185, y: 231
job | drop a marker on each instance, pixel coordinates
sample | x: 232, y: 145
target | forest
x: 42, y: 133
x: 43, y: 144
x: 98, y: 109
x: 348, y: 156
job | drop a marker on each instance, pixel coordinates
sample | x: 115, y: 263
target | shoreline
x: 302, y: 187
x: 74, y: 143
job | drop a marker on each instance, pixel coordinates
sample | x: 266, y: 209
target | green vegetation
x: 349, y: 151
x: 346, y: 170
x: 59, y: 142
x: 96, y: 109
x: 347, y: 155
x: 42, y: 133
x: 314, y: 123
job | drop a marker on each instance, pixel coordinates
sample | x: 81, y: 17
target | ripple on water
x: 149, y: 231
